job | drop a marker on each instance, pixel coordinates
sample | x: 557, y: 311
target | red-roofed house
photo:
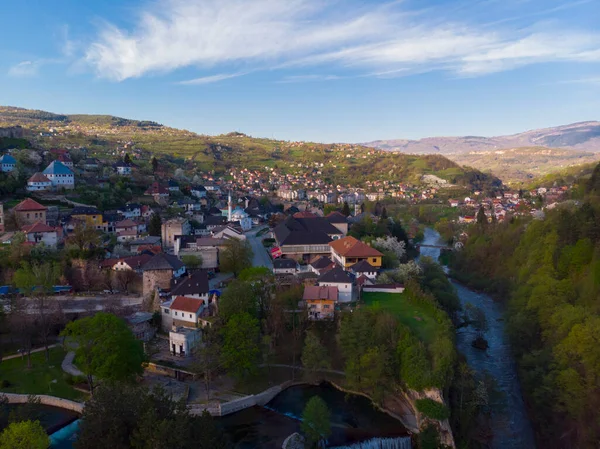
x: 320, y: 302
x: 30, y: 211
x: 39, y: 182
x: 42, y: 233
x: 126, y: 230
x: 348, y: 251
x: 182, y: 311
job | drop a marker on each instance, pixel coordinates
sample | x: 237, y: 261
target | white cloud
x: 309, y: 78
x: 211, y: 79
x: 268, y: 34
x: 24, y: 69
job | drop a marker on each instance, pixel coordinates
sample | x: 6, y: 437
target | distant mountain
x: 583, y: 136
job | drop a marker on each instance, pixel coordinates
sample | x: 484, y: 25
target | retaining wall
x: 45, y: 400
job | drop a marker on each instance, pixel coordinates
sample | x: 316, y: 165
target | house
x: 384, y: 288
x: 183, y: 340
x: 194, y: 286
x: 60, y: 175
x: 172, y: 228
x: 148, y: 241
x: 131, y: 210
x: 198, y: 191
x: 157, y: 191
x: 207, y: 248
x: 227, y: 232
x: 348, y: 251
x: 182, y: 311
x: 126, y: 230
x: 364, y: 268
x: 140, y: 324
x: 282, y: 266
x: 341, y: 279
x: 39, y: 182
x: 132, y: 263
x: 173, y: 185
x: 338, y: 220
x: 213, y: 221
x: 109, y: 220
x: 89, y: 215
x: 159, y: 271
x: 7, y: 163
x: 65, y: 159
x: 29, y: 211
x: 454, y: 203
x: 123, y: 168
x: 91, y: 164
x: 320, y: 302
x: 305, y: 238
x: 321, y: 265
x: 40, y: 232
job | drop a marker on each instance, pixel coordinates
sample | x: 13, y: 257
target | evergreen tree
x: 481, y: 218
x: 155, y: 225
x: 316, y: 422
x: 154, y: 164
x: 127, y: 158
x: 346, y: 209
x: 384, y: 214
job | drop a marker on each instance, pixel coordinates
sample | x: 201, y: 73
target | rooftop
x: 351, y: 247
x: 196, y: 284
x: 336, y: 276
x: 320, y: 292
x: 163, y: 261
x: 186, y: 304
x: 57, y: 168
x: 29, y: 205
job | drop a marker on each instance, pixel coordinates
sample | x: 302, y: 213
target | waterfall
x: 380, y: 443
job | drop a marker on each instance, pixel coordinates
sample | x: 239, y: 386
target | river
x: 510, y: 423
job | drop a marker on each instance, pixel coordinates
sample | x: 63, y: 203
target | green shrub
x: 433, y: 409
x: 4, y: 383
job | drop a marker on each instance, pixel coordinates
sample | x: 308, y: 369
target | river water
x: 510, y: 423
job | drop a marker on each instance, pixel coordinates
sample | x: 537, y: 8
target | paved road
x: 261, y: 257
x: 81, y: 304
x: 14, y: 356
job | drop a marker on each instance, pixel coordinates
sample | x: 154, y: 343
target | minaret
x: 229, y: 207
x: 356, y: 208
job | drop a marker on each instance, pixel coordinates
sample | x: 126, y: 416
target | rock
x: 480, y: 343
x: 294, y: 441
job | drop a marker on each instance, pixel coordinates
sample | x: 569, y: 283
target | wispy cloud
x: 211, y: 79
x: 372, y: 38
x: 309, y: 78
x: 24, y: 69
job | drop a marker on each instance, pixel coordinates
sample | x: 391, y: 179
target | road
x: 261, y: 257
x: 82, y: 304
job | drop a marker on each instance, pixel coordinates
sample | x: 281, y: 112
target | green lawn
x: 39, y: 379
x: 414, y: 316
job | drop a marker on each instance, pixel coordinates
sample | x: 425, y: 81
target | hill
x: 344, y: 164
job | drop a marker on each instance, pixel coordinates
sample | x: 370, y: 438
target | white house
x: 341, y: 279
x: 41, y: 233
x: 183, y: 341
x: 38, y: 182
x: 123, y: 168
x: 364, y: 268
x: 181, y: 311
x: 131, y: 210
x: 7, y: 163
x: 195, y: 286
x: 60, y: 175
x: 227, y: 232
x: 285, y: 266
x: 198, y: 191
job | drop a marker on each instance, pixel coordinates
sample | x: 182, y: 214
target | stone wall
x: 45, y: 400
x: 156, y: 278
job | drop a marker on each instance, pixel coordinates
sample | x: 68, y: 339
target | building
x: 285, y: 266
x: 123, y: 168
x: 29, y: 212
x: 194, y: 286
x: 65, y: 159
x: 364, y: 268
x: 60, y: 175
x: 140, y: 324
x: 132, y: 263
x: 172, y: 228
x: 7, y: 163
x: 40, y: 232
x: 182, y: 311
x: 146, y: 242
x: 305, y: 238
x: 338, y: 220
x: 39, y: 182
x: 158, y: 192
x: 320, y: 302
x: 321, y: 264
x: 198, y: 191
x: 127, y: 230
x: 183, y: 340
x: 159, y: 271
x: 173, y: 185
x: 91, y: 164
x: 227, y: 232
x: 207, y: 248
x: 91, y: 216
x: 131, y: 210
x: 341, y: 279
x: 348, y: 251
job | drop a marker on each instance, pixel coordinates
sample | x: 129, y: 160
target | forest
x: 548, y: 273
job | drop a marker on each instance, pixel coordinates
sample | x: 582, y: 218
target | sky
x: 320, y: 70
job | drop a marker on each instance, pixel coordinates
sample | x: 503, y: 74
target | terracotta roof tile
x: 186, y: 304
x: 351, y: 247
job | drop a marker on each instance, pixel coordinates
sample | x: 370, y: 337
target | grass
x: 414, y: 316
x: 39, y: 378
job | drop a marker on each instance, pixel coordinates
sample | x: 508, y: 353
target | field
x: 414, y: 316
x: 42, y: 378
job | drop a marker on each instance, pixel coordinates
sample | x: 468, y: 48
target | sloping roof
x: 305, y: 231
x: 337, y: 275
x: 214, y: 220
x: 196, y: 284
x: 317, y: 292
x: 136, y: 261
x: 284, y: 263
x: 336, y: 217
x: 156, y: 189
x: 57, y: 168
x: 321, y: 262
x: 185, y: 304
x: 127, y: 223
x: 163, y: 261
x: 148, y: 240
x: 85, y: 210
x: 39, y: 177
x: 363, y: 267
x: 304, y: 214
x: 7, y: 159
x: 351, y: 247
x: 37, y: 227
x: 28, y: 205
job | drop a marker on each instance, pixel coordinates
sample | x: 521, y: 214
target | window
x: 166, y: 311
x: 190, y: 315
x: 326, y: 306
x: 175, y: 313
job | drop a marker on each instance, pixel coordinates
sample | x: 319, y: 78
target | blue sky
x: 322, y: 70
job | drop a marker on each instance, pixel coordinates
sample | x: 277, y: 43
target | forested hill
x: 548, y: 272
x: 338, y: 163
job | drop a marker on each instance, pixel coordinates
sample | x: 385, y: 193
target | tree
x: 192, y: 261
x: 207, y: 358
x: 235, y: 256
x: 155, y: 225
x: 316, y: 421
x: 84, y: 237
x: 314, y: 354
x: 481, y: 218
x: 384, y: 214
x: 24, y: 435
x: 127, y: 158
x: 125, y: 278
x: 346, y: 209
x: 106, y: 348
x: 22, y: 325
x: 154, y: 164
x: 241, y: 345
x: 37, y: 281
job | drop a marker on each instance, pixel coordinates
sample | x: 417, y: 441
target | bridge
x: 457, y: 246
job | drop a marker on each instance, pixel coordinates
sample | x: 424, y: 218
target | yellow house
x: 89, y: 215
x: 348, y: 251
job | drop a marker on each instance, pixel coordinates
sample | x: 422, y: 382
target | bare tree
x: 125, y: 278
x: 207, y: 358
x: 23, y: 327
